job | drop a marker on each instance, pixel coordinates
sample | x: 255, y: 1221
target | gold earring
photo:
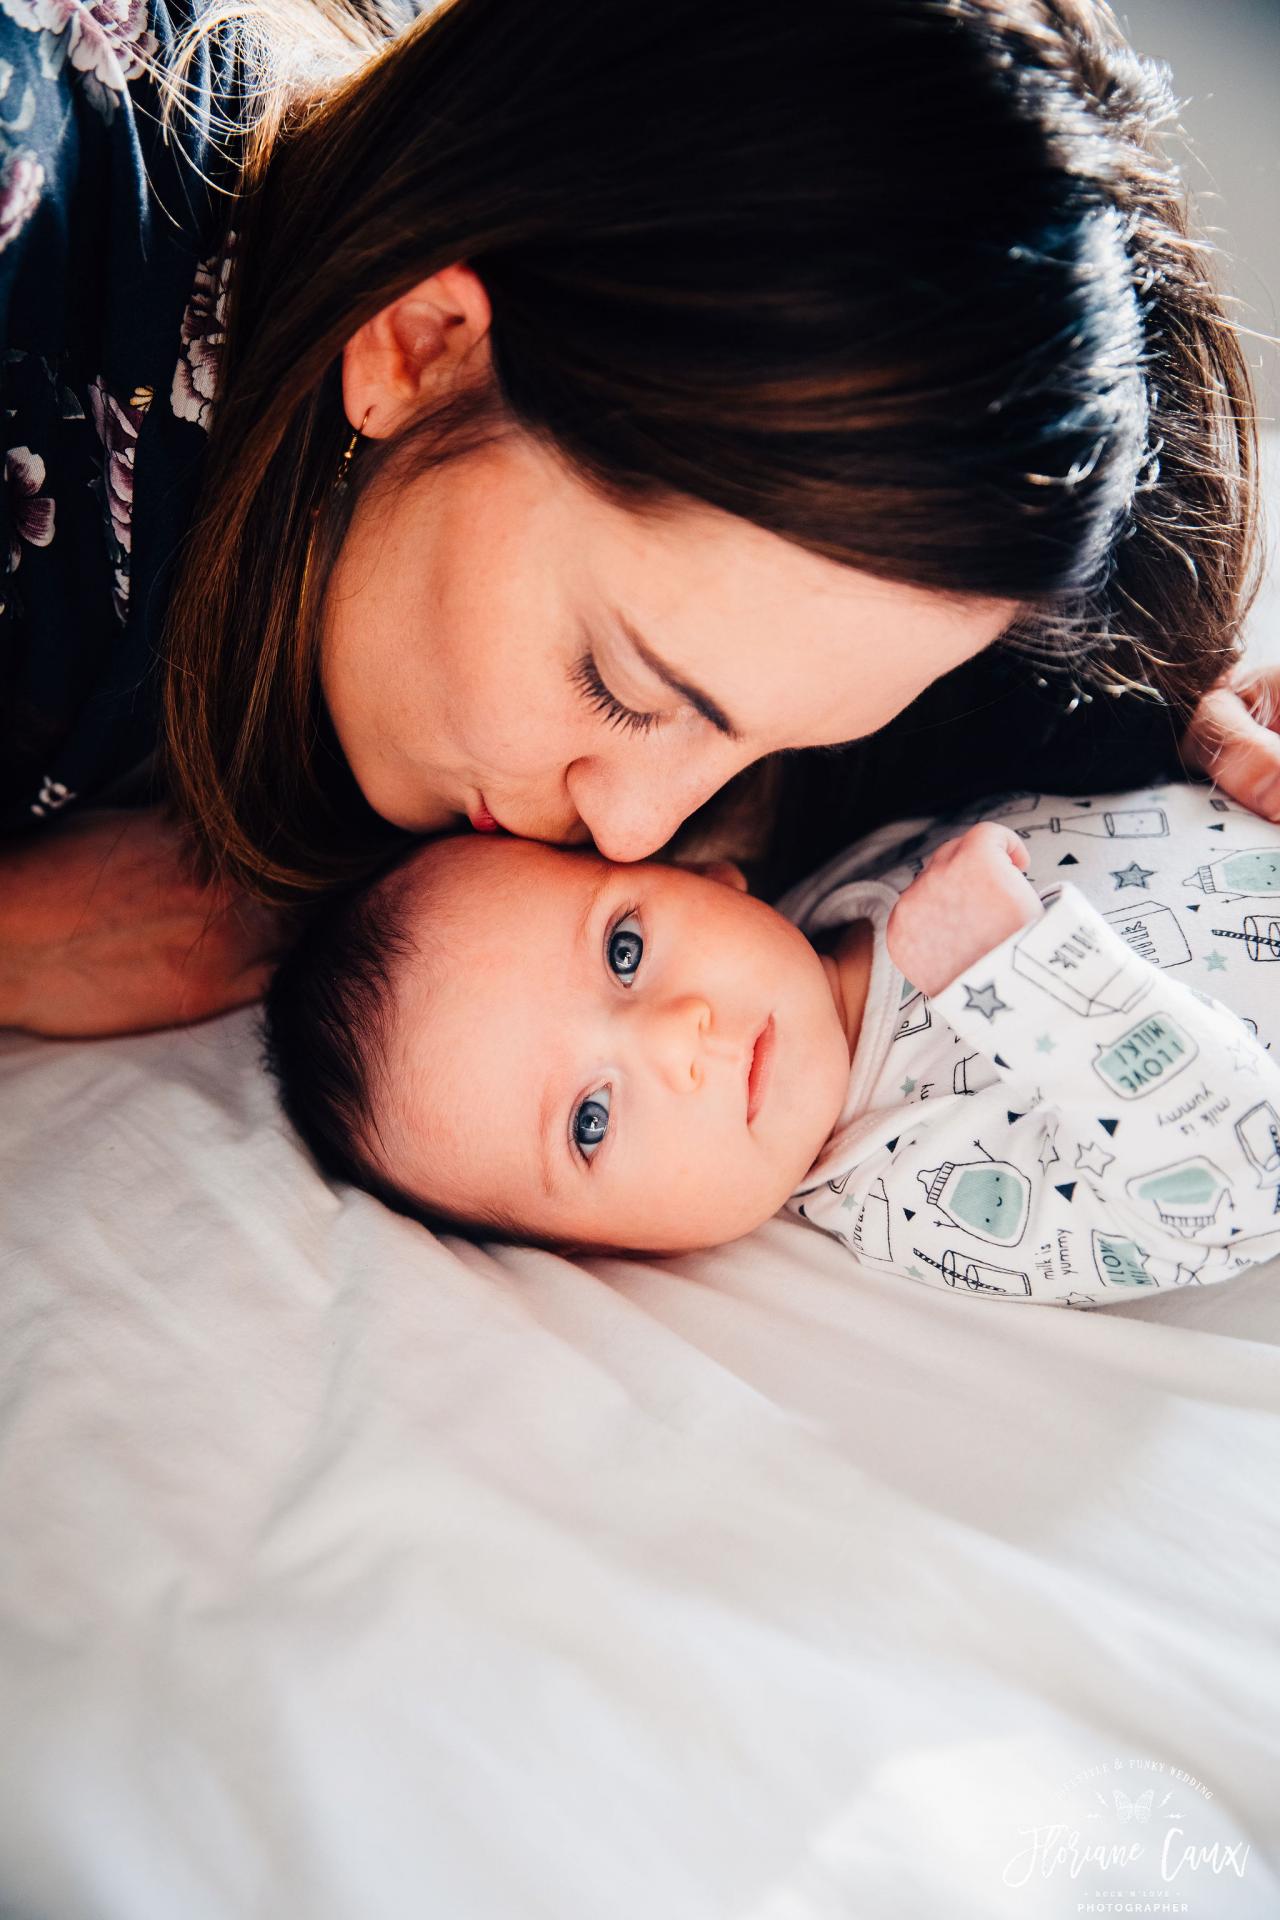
x: 344, y: 465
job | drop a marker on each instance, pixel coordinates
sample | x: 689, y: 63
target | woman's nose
x: 631, y: 812
x: 684, y: 1041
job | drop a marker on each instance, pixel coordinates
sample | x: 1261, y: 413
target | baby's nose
x: 686, y: 1040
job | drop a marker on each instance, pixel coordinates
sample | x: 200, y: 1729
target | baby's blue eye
x: 626, y: 949
x: 591, y: 1122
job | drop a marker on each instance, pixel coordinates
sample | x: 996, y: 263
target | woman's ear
x: 424, y: 345
x: 724, y: 871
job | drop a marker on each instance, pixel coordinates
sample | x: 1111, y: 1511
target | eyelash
x: 586, y: 677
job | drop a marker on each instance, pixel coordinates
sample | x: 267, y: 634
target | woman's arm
x: 103, y: 931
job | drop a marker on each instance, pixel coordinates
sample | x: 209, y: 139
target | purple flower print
x: 53, y: 795
x: 117, y: 422
x: 20, y: 187
x: 195, y: 378
x: 30, y: 510
x: 107, y: 41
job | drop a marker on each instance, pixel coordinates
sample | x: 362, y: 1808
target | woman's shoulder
x: 88, y: 150
x: 112, y: 227
x: 101, y: 54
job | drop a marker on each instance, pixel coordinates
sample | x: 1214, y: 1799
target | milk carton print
x: 1258, y: 1132
x: 1073, y: 966
x: 1153, y: 932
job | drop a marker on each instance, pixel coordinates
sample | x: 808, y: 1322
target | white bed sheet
x: 347, y: 1572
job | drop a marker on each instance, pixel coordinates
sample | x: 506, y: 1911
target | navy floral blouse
x: 114, y: 255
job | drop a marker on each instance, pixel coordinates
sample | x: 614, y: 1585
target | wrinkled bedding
x: 351, y: 1572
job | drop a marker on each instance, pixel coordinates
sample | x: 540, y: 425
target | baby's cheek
x: 709, y: 1204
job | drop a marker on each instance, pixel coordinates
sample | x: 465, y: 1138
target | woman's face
x: 499, y: 642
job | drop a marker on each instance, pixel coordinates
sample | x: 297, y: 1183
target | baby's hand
x: 972, y: 894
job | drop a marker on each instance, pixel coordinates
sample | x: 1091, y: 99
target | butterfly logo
x: 1138, y: 1810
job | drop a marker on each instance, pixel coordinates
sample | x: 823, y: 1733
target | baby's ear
x: 723, y: 871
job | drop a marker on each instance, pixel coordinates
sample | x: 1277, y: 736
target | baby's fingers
x: 941, y: 857
x: 1016, y: 848
x: 989, y: 843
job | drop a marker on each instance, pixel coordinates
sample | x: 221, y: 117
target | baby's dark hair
x: 327, y: 1026
x: 327, y: 1022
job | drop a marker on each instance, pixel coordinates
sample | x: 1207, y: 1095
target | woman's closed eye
x: 586, y: 677
x: 624, y: 950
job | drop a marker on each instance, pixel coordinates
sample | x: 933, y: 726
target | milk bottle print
x: 1123, y: 823
x: 1253, y: 870
x: 987, y: 1198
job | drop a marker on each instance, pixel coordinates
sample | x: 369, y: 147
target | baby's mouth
x: 758, y: 1071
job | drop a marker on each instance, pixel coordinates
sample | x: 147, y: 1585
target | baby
x: 986, y: 1059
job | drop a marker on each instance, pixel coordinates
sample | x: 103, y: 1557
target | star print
x: 908, y: 1087
x: 915, y: 1273
x: 1090, y: 1158
x: 1045, y: 1044
x: 1131, y: 876
x: 1077, y: 1300
x: 985, y: 1000
x: 1242, y: 1058
x: 1048, y: 1152
x: 1215, y: 961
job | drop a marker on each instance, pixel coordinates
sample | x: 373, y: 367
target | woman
x: 599, y: 402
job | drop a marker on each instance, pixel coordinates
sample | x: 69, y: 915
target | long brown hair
x: 907, y: 282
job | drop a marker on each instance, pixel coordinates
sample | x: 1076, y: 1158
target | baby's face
x: 614, y: 1056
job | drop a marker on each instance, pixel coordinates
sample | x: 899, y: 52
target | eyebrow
x: 700, y: 701
x: 550, y: 1098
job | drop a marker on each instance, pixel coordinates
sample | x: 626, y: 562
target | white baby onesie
x: 1094, y: 1107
